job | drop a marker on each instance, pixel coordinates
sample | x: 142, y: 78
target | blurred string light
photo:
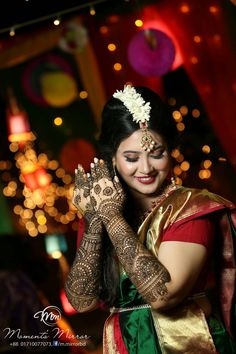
x: 138, y: 23
x: 58, y: 121
x: 12, y: 31
x: 57, y: 21
x: 39, y: 208
x: 90, y: 4
x: 184, y: 8
x: 43, y: 190
x: 181, y: 165
x: 92, y: 11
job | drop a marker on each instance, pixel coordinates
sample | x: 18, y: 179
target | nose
x: 145, y: 166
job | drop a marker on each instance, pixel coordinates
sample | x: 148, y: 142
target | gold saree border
x: 185, y: 330
x: 109, y: 344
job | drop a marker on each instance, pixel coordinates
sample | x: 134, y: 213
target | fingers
x: 93, y: 172
x: 105, y: 170
x: 99, y: 170
x: 117, y: 185
x: 79, y: 177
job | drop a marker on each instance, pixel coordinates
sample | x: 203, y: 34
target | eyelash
x: 135, y: 159
x: 131, y: 159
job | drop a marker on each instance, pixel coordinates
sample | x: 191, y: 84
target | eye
x: 159, y: 155
x: 131, y: 159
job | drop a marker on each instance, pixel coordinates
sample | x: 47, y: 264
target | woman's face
x: 144, y: 172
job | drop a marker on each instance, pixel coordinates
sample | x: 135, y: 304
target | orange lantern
x: 42, y: 177
x: 38, y: 178
x: 17, y: 122
x: 30, y: 180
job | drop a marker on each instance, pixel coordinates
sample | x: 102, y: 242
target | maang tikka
x: 140, y: 111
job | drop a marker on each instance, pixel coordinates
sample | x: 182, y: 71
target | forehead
x: 133, y: 141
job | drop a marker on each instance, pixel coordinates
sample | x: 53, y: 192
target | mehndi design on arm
x: 144, y: 269
x: 84, y: 277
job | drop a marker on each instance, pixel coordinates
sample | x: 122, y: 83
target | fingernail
x: 95, y: 160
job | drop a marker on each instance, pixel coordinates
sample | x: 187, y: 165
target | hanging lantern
x: 59, y: 89
x: 151, y: 53
x: 34, y: 176
x: 42, y: 177
x: 74, y: 38
x: 55, y: 245
x: 18, y: 128
x: 17, y: 122
x: 80, y: 151
x: 30, y: 181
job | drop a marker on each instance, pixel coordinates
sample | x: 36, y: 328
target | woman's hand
x: 107, y: 195
x: 82, y: 201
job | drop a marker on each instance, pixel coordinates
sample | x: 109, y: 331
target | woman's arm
x: 145, y: 271
x: 159, y: 281
x: 83, y: 280
x: 164, y: 281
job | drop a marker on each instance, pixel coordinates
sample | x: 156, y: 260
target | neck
x: 145, y: 202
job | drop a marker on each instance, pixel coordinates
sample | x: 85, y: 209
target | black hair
x: 117, y: 125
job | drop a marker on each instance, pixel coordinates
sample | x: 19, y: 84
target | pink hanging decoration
x: 151, y: 52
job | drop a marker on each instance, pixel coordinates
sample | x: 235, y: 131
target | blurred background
x: 59, y: 63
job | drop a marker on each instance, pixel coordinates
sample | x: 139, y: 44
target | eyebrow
x: 139, y: 152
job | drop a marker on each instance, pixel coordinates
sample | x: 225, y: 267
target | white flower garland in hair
x: 134, y: 102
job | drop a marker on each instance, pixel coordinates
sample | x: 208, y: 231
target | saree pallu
x: 183, y: 329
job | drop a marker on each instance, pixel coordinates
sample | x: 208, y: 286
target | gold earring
x: 114, y: 170
x: 173, y: 181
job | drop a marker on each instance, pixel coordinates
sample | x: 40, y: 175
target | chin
x: 146, y: 190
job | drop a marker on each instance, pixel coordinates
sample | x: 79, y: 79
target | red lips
x: 146, y: 180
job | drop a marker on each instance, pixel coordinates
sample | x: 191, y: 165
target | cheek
x: 162, y: 165
x: 125, y: 169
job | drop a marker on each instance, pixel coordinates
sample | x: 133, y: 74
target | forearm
x: 145, y: 271
x: 82, y: 284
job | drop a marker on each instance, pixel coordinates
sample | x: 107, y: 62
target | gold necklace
x: 166, y: 191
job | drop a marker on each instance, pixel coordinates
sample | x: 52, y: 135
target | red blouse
x: 200, y: 230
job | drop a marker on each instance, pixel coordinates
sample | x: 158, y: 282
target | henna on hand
x: 145, y: 271
x: 143, y: 268
x: 107, y: 195
x: 81, y: 199
x: 82, y: 284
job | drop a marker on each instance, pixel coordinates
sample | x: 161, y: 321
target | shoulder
x: 182, y: 205
x: 193, y: 202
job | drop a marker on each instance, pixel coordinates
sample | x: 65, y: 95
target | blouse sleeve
x: 200, y: 230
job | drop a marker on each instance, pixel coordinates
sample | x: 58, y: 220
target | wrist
x: 113, y: 220
x: 91, y: 242
x: 94, y: 225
